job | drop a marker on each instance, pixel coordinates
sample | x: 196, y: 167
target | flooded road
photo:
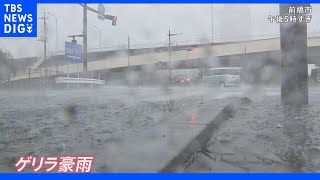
x: 81, y: 121
x: 265, y: 137
x: 78, y: 121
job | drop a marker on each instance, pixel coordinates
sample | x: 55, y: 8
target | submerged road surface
x: 81, y: 121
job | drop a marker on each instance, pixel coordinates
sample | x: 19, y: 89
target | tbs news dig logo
x: 19, y: 20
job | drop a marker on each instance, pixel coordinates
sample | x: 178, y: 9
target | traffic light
x: 114, y: 21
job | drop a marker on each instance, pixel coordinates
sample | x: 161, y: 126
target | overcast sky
x: 151, y: 22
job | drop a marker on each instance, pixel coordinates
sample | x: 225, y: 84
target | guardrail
x: 141, y: 45
x: 26, y: 73
x: 65, y: 80
x: 193, y: 41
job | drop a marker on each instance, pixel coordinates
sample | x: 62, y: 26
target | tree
x: 6, y: 68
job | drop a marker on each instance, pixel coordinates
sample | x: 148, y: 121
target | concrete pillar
x: 294, y: 63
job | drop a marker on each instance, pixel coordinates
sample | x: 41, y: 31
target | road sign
x: 101, y: 12
x: 73, y: 52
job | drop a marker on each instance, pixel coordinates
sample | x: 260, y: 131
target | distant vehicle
x: 182, y: 80
x: 223, y: 77
x: 314, y: 73
x: 191, y: 49
x: 311, y: 67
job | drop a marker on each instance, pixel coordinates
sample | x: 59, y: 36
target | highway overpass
x: 239, y: 53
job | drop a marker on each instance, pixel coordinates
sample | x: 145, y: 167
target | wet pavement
x: 264, y: 137
x: 83, y: 122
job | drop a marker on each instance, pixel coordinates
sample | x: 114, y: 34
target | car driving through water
x: 182, y: 80
x: 223, y: 76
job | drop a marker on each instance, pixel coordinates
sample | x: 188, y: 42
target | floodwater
x: 264, y: 137
x: 79, y: 121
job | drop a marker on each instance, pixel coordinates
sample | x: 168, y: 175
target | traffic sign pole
x: 78, y: 70
x: 85, y: 32
x: 78, y: 75
x: 68, y: 70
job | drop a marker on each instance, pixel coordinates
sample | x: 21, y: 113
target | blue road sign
x: 73, y: 52
x: 101, y: 10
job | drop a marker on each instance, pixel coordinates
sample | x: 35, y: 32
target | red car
x: 182, y: 80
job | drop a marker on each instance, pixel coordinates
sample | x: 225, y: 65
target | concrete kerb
x: 200, y: 141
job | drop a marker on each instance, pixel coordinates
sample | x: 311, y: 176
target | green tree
x: 6, y: 68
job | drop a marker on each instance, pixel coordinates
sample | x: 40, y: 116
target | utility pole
x: 211, y: 23
x: 169, y: 35
x: 44, y: 44
x: 85, y: 38
x: 85, y: 31
x: 294, y: 62
x: 128, y: 52
x: 44, y: 40
x: 45, y: 36
x: 128, y: 69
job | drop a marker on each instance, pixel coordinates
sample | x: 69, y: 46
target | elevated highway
x: 245, y: 51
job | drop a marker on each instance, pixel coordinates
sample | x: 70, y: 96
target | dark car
x: 182, y: 80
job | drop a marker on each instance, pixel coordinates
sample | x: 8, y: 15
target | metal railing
x: 36, y: 63
x: 65, y: 80
x: 26, y: 73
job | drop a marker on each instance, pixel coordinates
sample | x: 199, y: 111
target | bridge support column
x: 294, y: 64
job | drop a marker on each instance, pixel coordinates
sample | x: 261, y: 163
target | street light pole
x: 128, y: 52
x: 56, y: 19
x: 100, y: 30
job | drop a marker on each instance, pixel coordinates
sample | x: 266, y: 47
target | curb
x: 201, y: 140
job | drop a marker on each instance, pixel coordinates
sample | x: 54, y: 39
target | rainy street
x: 187, y: 88
x: 265, y: 136
x: 53, y: 122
